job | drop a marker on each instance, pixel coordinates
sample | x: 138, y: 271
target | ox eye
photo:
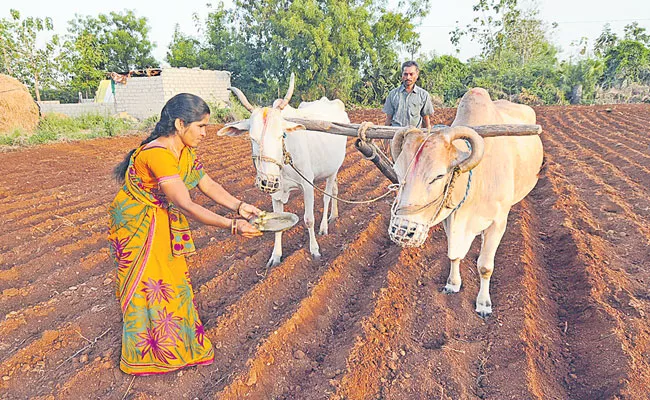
x: 436, y: 178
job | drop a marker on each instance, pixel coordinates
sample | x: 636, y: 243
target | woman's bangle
x: 241, y: 203
x: 233, y: 226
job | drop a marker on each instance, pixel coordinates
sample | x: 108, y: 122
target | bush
x: 222, y: 113
x: 57, y: 127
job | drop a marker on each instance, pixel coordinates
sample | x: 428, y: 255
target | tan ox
x: 436, y: 184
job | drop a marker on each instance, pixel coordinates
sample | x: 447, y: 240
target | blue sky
x: 576, y: 18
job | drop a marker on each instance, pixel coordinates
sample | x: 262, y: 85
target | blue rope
x: 469, y: 180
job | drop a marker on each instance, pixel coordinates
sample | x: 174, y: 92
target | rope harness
x: 288, y: 160
x: 395, y: 211
x: 408, y: 233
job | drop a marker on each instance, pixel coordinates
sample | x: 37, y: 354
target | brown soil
x: 570, y: 290
x: 17, y: 108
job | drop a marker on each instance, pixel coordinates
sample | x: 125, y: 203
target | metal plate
x: 274, y: 222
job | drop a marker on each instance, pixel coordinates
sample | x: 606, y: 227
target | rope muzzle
x: 408, y: 233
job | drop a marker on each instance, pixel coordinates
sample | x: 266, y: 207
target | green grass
x: 60, y: 128
x: 54, y: 128
x: 230, y: 113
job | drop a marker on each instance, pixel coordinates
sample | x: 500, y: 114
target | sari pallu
x: 149, y: 238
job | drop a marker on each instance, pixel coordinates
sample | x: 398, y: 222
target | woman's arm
x: 217, y: 193
x: 178, y: 194
x: 221, y: 196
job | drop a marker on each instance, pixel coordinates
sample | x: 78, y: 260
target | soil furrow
x: 299, y: 346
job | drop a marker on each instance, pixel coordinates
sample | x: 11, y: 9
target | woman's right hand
x: 246, y: 229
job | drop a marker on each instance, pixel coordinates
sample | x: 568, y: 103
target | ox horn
x: 242, y: 98
x: 398, y: 141
x: 476, y: 143
x: 287, y: 97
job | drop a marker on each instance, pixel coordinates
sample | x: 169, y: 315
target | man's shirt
x: 407, y: 109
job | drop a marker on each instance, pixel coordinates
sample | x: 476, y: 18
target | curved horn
x: 242, y: 98
x: 398, y: 141
x: 287, y: 97
x: 476, y: 143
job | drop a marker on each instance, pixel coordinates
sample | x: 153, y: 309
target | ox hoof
x: 322, y: 231
x: 484, y: 310
x: 451, y: 289
x: 315, y: 256
x: 273, y: 262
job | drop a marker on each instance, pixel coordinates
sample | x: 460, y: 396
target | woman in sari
x: 149, y: 237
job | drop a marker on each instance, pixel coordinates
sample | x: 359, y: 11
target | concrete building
x: 145, y: 93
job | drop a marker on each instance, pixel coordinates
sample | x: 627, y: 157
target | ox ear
x: 235, y: 128
x: 288, y: 126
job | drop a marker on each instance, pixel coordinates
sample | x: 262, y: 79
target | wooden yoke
x: 387, y: 132
x: 371, y: 152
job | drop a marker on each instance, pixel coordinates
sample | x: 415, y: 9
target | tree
x: 32, y: 65
x: 329, y: 44
x: 636, y: 33
x: 605, y: 41
x: 122, y: 39
x: 445, y: 76
x: 82, y: 63
x: 627, y: 62
x: 580, y: 79
x: 516, y: 54
x: 183, y: 50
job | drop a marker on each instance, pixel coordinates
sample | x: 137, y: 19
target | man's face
x: 410, y: 75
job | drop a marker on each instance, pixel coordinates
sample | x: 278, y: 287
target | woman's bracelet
x: 241, y: 203
x: 233, y: 226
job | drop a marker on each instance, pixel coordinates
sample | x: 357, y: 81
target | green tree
x: 22, y: 58
x: 122, y: 39
x: 580, y: 79
x: 82, y: 63
x: 625, y: 63
x: 517, y: 57
x: 183, y: 51
x: 445, y: 76
x: 335, y: 47
x: 636, y: 33
x: 605, y: 41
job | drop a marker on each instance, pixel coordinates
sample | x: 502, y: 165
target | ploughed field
x: 570, y: 289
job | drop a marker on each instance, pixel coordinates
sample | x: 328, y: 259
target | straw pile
x: 17, y: 108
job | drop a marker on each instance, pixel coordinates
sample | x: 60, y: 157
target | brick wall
x: 209, y: 85
x: 141, y: 97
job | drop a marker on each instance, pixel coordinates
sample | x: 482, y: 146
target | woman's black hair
x: 184, y: 106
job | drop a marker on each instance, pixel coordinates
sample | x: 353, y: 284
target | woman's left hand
x: 248, y: 210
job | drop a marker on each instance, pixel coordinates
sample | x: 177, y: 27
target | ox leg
x: 276, y: 256
x: 335, y: 203
x: 491, y: 237
x: 331, y: 181
x: 454, y: 280
x: 309, y: 220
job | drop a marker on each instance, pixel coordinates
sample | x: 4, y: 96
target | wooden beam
x: 372, y: 153
x: 387, y: 132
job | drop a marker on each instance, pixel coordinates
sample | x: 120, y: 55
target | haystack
x: 17, y: 108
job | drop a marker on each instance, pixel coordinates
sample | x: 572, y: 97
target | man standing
x: 408, y: 104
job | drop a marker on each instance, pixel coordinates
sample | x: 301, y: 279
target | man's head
x: 410, y: 73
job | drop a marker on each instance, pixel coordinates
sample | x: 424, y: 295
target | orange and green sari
x: 149, y: 239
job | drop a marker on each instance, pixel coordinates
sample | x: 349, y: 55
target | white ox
x: 503, y: 171
x: 316, y: 155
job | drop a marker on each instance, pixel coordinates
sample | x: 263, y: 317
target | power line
x: 558, y: 22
